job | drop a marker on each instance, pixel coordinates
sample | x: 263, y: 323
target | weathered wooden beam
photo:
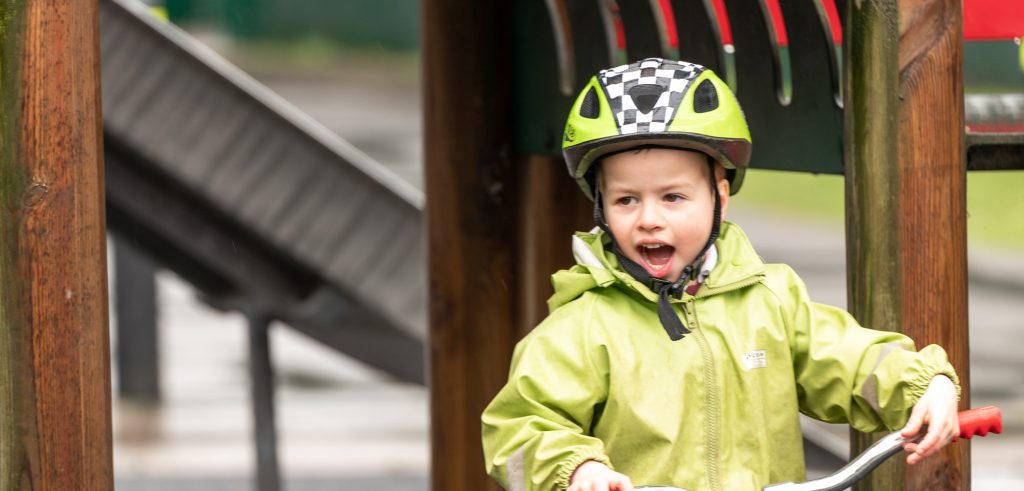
x: 906, y: 195
x: 933, y: 205
x: 55, y: 429
x: 871, y: 98
x: 552, y: 208
x: 471, y: 219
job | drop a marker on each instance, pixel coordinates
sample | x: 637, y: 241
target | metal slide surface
x: 215, y: 175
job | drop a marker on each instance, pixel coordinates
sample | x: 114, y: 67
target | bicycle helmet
x: 656, y: 102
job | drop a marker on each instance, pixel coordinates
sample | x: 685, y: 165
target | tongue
x: 659, y: 256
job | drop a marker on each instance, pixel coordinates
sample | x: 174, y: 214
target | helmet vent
x: 706, y: 97
x: 590, y: 108
x: 645, y: 96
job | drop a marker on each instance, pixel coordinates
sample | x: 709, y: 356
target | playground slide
x: 259, y: 206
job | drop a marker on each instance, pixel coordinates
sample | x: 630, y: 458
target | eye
x: 675, y: 198
x: 626, y: 200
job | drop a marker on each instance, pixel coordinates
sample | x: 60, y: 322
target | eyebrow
x: 686, y: 185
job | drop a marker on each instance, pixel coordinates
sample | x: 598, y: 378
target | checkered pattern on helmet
x: 673, y: 76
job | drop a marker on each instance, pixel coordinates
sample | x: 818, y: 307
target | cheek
x: 692, y: 228
x: 619, y: 222
x: 621, y: 234
x: 621, y: 226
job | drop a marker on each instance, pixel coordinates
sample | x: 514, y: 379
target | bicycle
x: 973, y: 422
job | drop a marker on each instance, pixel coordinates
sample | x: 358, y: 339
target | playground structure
x: 197, y: 149
x: 283, y: 234
x: 493, y: 120
x: 272, y: 254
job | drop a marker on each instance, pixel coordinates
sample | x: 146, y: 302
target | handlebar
x: 980, y: 421
x: 973, y: 422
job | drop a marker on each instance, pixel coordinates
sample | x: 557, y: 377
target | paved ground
x: 343, y: 426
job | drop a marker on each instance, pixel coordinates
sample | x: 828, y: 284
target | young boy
x: 672, y: 352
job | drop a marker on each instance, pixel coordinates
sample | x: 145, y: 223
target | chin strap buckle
x: 657, y: 284
x: 674, y: 290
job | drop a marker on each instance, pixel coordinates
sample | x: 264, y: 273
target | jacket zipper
x: 712, y: 421
x: 708, y: 291
x: 711, y: 417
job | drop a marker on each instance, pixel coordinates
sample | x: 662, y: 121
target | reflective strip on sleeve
x: 870, y: 390
x: 516, y: 474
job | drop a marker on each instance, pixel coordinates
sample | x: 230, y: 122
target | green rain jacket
x: 600, y: 380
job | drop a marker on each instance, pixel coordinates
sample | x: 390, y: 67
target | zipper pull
x: 691, y: 313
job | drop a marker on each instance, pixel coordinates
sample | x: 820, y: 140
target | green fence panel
x: 392, y: 24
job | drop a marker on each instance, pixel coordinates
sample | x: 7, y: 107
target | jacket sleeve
x: 535, y: 431
x: 846, y: 373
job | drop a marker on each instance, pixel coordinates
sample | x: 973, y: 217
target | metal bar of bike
x: 973, y: 422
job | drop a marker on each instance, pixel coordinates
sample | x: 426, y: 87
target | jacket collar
x: 737, y: 264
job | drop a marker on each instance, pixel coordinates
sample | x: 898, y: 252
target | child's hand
x: 595, y: 476
x: 937, y: 409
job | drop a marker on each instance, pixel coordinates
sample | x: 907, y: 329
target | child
x: 672, y: 352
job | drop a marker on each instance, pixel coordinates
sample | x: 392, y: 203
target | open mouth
x: 657, y: 258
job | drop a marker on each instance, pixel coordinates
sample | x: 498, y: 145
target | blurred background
x: 353, y: 69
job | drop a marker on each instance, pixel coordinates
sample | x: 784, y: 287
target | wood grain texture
x: 471, y: 219
x: 906, y: 196
x: 55, y: 406
x: 933, y: 205
x: 552, y: 208
x: 498, y: 226
x: 874, y: 277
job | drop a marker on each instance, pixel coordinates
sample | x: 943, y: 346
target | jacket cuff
x: 569, y: 466
x: 919, y: 384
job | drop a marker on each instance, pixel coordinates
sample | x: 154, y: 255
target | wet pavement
x: 344, y: 426
x: 340, y: 425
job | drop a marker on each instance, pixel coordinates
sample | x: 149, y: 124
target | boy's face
x: 659, y: 205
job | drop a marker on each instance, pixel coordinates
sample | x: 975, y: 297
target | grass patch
x: 800, y: 194
x: 311, y: 57
x: 995, y: 201
x: 995, y: 208
x: 313, y: 53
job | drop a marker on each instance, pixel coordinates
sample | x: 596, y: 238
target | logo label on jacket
x: 755, y: 359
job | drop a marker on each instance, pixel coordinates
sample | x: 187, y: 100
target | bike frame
x: 973, y: 422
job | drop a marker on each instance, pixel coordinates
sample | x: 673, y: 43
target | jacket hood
x: 597, y: 267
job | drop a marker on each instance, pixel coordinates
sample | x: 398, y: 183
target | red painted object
x: 984, y: 20
x: 775, y: 11
x: 723, y: 21
x: 670, y: 23
x: 980, y: 421
x: 993, y: 20
x: 833, y: 20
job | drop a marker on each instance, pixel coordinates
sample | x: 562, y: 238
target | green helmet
x: 656, y: 102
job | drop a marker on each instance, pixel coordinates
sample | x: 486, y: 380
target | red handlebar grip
x: 980, y: 421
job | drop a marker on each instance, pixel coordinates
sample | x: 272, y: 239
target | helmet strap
x: 665, y: 289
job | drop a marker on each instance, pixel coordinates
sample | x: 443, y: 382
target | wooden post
x: 470, y: 213
x: 933, y: 208
x: 906, y: 195
x: 55, y: 430
x: 552, y: 208
x: 871, y: 94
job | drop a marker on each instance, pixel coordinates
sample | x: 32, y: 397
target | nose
x: 650, y: 218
